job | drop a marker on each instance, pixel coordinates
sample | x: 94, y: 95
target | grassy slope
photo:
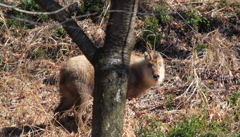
x: 200, y: 95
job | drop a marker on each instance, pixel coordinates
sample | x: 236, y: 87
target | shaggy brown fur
x: 77, y: 78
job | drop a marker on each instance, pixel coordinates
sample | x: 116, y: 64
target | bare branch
x: 69, y: 5
x: 71, y: 27
x: 34, y: 13
x: 20, y: 19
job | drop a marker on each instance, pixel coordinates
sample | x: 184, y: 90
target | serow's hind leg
x: 82, y: 111
x: 65, y: 104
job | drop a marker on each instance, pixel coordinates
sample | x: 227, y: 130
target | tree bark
x: 71, y: 27
x: 111, y: 71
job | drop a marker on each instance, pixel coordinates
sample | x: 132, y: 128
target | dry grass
x: 200, y: 85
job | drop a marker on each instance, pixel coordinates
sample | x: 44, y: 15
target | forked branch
x: 71, y: 27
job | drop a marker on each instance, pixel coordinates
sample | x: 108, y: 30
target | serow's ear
x: 148, y: 55
x: 157, y: 55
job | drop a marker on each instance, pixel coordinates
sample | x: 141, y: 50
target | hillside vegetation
x: 200, y: 43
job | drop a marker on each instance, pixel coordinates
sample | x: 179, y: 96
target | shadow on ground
x: 68, y: 123
x: 17, y: 132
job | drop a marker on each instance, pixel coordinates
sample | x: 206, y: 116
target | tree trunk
x: 111, y: 71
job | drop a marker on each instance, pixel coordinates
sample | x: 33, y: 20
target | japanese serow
x: 77, y: 78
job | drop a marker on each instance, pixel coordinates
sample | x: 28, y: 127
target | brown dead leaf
x: 6, y: 60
